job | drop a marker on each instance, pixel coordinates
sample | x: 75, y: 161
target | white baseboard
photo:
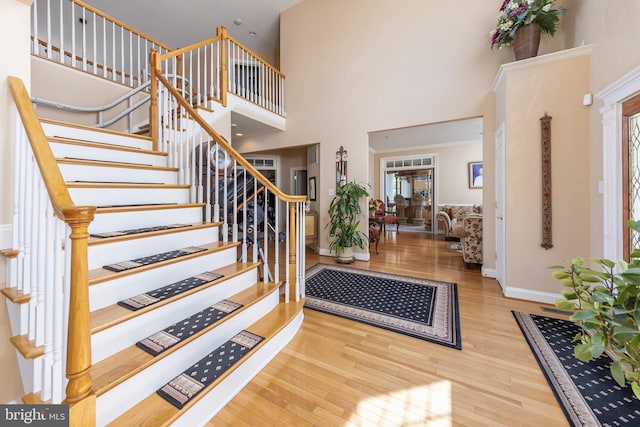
x: 530, y: 295
x: 489, y: 272
x: 6, y: 236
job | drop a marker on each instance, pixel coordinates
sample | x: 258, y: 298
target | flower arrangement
x: 516, y: 14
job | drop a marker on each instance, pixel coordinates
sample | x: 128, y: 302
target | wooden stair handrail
x: 120, y: 23
x: 79, y: 393
x: 223, y: 143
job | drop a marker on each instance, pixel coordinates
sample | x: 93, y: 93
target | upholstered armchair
x: 472, y: 239
x: 450, y: 218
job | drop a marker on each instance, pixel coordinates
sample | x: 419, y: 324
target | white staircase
x: 132, y: 188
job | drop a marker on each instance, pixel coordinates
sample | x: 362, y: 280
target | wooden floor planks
x: 337, y: 372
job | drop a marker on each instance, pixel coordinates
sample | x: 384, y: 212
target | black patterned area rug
x: 187, y: 385
x: 421, y: 308
x: 587, y: 393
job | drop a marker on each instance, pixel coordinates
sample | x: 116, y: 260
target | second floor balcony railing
x: 111, y: 49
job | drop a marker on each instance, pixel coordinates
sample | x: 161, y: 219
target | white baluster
x: 104, y: 48
x: 113, y: 51
x: 49, y: 290
x: 122, y: 67
x: 62, y: 30
x: 48, y: 24
x: 276, y: 264
x: 84, y: 39
x: 40, y: 255
x: 73, y: 38
x: 34, y: 28
x: 58, y: 368
x: 287, y: 296
x: 95, y: 45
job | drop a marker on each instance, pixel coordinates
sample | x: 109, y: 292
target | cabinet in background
x: 311, y: 229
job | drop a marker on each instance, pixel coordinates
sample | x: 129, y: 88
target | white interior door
x: 500, y: 217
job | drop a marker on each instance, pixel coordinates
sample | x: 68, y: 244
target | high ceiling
x: 256, y: 24
x: 181, y: 23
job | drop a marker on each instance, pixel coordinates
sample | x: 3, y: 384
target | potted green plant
x: 344, y: 213
x: 520, y: 23
x: 606, y: 305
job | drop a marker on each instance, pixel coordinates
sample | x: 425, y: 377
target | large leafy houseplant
x: 344, y: 213
x: 606, y: 305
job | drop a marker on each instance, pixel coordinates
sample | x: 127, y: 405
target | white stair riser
x: 96, y: 136
x: 210, y: 404
x: 118, y: 399
x: 74, y: 151
x: 91, y: 173
x: 126, y: 250
x: 30, y: 373
x: 110, y: 292
x: 115, y: 221
x: 18, y: 317
x: 116, y: 338
x: 128, y: 196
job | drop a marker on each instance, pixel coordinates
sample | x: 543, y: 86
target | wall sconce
x: 341, y: 167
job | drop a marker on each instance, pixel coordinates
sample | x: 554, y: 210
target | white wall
x: 14, y: 44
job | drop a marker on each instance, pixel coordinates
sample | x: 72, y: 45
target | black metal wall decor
x: 545, y: 128
x: 341, y: 167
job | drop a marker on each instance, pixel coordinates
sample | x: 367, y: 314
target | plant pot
x: 344, y: 254
x: 526, y: 41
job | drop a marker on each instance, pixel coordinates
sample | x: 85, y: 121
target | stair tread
x: 121, y: 235
x: 133, y: 208
x: 103, y: 145
x: 114, y: 314
x: 113, y: 164
x: 27, y: 347
x: 119, y: 367
x: 156, y: 411
x: 15, y: 296
x: 100, y: 275
x: 94, y: 129
x: 106, y: 185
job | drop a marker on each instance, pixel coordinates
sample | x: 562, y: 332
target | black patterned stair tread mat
x: 172, y: 335
x: 149, y: 298
x: 180, y: 390
x: 135, y: 205
x: 139, y: 262
x: 107, y: 234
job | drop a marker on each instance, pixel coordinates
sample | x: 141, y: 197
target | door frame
x: 611, y: 185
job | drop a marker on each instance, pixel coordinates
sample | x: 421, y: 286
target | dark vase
x: 526, y: 41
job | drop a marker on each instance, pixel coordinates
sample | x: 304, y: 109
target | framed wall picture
x: 312, y: 189
x: 475, y: 174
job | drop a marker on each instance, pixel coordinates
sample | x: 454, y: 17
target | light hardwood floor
x: 337, y: 372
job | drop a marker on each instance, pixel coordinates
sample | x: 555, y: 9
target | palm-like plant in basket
x: 344, y: 220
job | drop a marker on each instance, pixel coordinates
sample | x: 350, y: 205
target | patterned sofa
x: 450, y: 218
x: 472, y: 239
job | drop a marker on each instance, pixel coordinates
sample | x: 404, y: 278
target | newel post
x: 224, y: 73
x: 153, y: 104
x: 292, y: 252
x: 79, y: 393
